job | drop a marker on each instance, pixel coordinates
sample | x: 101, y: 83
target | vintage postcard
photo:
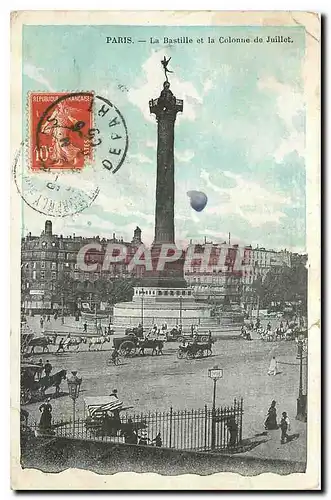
x: 165, y: 326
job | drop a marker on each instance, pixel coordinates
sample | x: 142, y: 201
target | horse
x: 98, y: 341
x: 74, y: 342
x: 155, y: 344
x: 43, y: 342
x: 53, y: 380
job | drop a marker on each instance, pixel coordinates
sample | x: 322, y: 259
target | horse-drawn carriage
x: 104, y: 417
x: 131, y: 344
x: 197, y: 348
x: 33, y: 386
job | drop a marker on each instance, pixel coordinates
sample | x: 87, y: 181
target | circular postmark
x: 75, y: 139
x: 51, y: 194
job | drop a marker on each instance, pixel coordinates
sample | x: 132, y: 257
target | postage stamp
x: 57, y: 125
x: 165, y: 250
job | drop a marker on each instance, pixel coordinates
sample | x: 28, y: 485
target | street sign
x: 37, y: 292
x: 215, y: 373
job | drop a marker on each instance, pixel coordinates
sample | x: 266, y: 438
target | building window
x: 159, y: 292
x: 34, y: 274
x: 42, y: 275
x: 44, y: 244
x: 34, y: 265
x: 60, y: 266
x: 53, y: 244
x: 183, y: 292
x: 165, y: 292
x: 42, y: 265
x: 188, y: 293
x: 76, y: 266
x: 53, y: 265
x: 54, y: 275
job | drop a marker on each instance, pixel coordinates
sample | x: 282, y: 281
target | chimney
x: 48, y: 228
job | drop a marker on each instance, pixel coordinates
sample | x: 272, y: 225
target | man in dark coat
x: 48, y: 368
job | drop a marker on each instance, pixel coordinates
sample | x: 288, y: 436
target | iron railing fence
x: 182, y: 429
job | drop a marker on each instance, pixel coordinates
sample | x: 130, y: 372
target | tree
x: 65, y: 292
x: 285, y: 284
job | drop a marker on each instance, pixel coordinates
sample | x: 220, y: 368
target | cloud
x: 184, y: 156
x: 247, y: 199
x: 36, y: 74
x: 140, y: 158
x: 208, y: 85
x: 151, y: 84
x: 151, y: 144
x: 289, y: 102
x: 215, y: 75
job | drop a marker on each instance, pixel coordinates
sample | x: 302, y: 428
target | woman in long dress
x: 46, y: 415
x: 271, y: 420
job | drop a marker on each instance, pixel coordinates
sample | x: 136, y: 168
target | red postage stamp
x: 59, y: 127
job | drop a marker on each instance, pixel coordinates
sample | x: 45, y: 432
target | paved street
x: 156, y: 383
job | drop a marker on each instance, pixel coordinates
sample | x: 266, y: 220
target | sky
x: 240, y: 138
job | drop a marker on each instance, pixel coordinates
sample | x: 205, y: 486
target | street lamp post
x: 74, y: 384
x: 214, y: 373
x: 180, y: 311
x: 302, y: 398
x: 142, y: 292
x: 62, y: 308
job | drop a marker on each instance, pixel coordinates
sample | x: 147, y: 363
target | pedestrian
x: 48, y: 318
x: 48, y: 368
x: 85, y: 327
x: 129, y: 433
x: 114, y: 393
x: 41, y: 322
x: 285, y: 426
x: 273, y: 366
x: 269, y: 327
x: 271, y: 420
x: 143, y: 438
x: 157, y: 440
x: 233, y: 430
x: 61, y: 345
x: 46, y: 415
x: 41, y: 369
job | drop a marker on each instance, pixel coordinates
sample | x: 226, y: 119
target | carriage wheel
x: 209, y: 352
x: 127, y: 348
x: 190, y: 355
x: 26, y: 396
x: 180, y: 354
